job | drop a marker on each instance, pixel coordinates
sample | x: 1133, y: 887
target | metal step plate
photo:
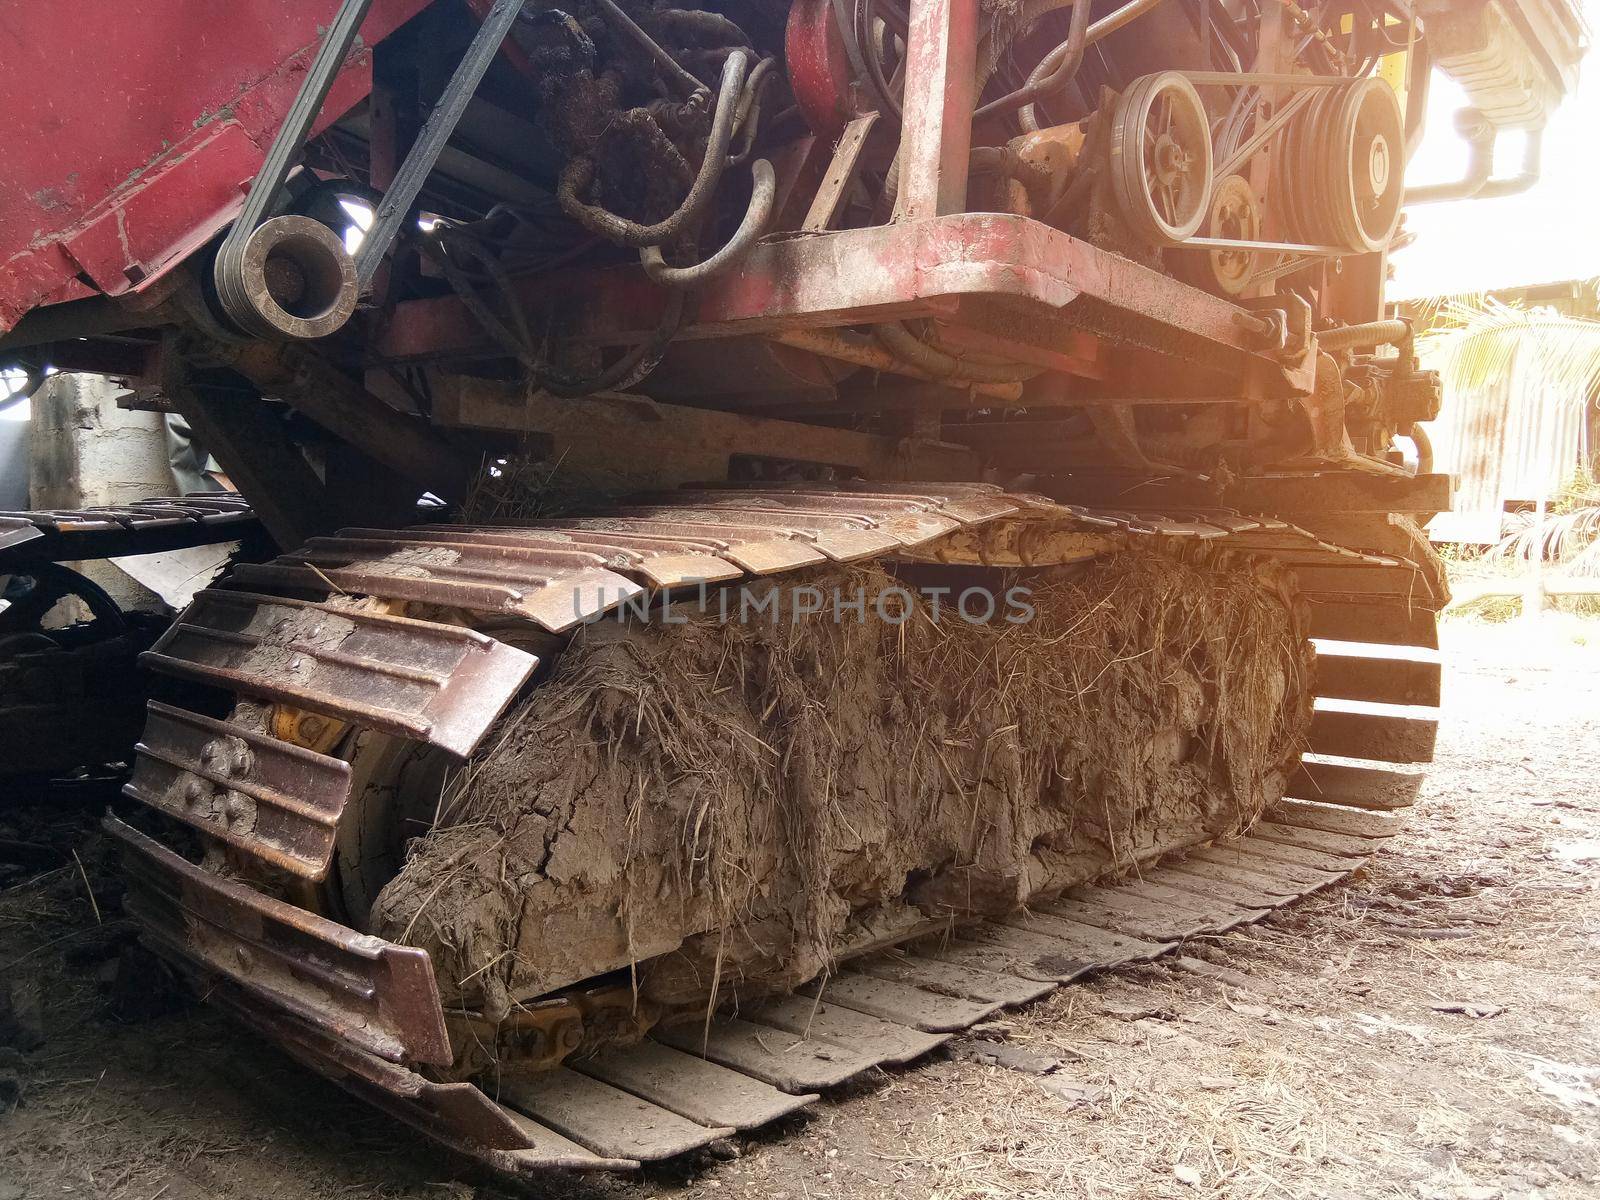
x: 794, y: 1064
x: 436, y: 683
x: 458, y: 1115
x: 692, y: 1087
x: 1387, y: 733
x: 607, y: 1120
x: 1356, y: 785
x: 823, y: 1020
x: 901, y: 1002
x: 952, y: 979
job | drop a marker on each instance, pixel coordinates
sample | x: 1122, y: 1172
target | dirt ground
x: 1430, y: 1030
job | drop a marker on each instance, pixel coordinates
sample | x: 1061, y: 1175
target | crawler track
x: 366, y: 1012
x: 106, y: 531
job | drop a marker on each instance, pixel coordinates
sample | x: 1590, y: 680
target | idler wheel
x: 1234, y: 213
x: 290, y: 279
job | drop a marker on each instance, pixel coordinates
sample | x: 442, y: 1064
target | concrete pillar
x: 85, y: 450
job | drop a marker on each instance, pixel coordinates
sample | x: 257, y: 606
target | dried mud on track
x: 1430, y: 1030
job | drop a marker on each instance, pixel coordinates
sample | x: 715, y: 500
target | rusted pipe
x: 1532, y: 167
x: 1372, y: 333
x: 669, y: 67
x: 83, y: 318
x: 1046, y: 78
x: 1479, y: 182
x: 1424, y: 445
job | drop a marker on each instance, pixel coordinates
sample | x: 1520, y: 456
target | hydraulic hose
x: 1419, y: 436
x: 904, y: 344
x: 621, y: 374
x: 669, y: 67
x: 747, y: 117
x: 1043, y: 80
x: 1054, y: 70
x: 579, y: 174
x: 763, y: 194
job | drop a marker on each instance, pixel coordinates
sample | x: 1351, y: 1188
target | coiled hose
x: 578, y: 175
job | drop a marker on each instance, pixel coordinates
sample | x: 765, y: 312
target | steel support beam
x: 609, y: 442
x: 248, y: 438
x: 916, y: 268
x: 405, y: 444
x: 936, y: 132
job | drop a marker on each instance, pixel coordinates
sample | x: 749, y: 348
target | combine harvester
x: 649, y: 795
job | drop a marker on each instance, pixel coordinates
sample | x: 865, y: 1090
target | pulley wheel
x: 1368, y: 182
x: 1161, y: 157
x: 1235, y: 214
x: 292, y: 278
x: 1340, y: 167
x: 1298, y: 173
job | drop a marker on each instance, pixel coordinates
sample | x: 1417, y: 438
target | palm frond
x: 1474, y: 345
x: 1570, y: 538
x: 1429, y: 310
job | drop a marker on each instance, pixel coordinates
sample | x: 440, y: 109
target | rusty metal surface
x: 941, y: 67
x: 968, y: 503
x: 376, y: 995
x: 1390, y: 624
x: 1264, y: 536
x: 118, y: 166
x: 907, y: 522
x: 459, y: 1115
x: 439, y: 684
x: 418, y: 679
x: 144, y: 527
x: 1377, y: 732
x: 913, y: 268
x: 841, y: 538
x: 554, y: 588
x: 275, y: 801
x: 559, y: 573
x: 1283, y: 494
x: 658, y: 561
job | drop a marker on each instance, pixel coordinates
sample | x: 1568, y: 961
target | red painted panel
x: 130, y: 126
x: 912, y: 269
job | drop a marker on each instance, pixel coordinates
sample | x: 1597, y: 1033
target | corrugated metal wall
x: 1505, y: 443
